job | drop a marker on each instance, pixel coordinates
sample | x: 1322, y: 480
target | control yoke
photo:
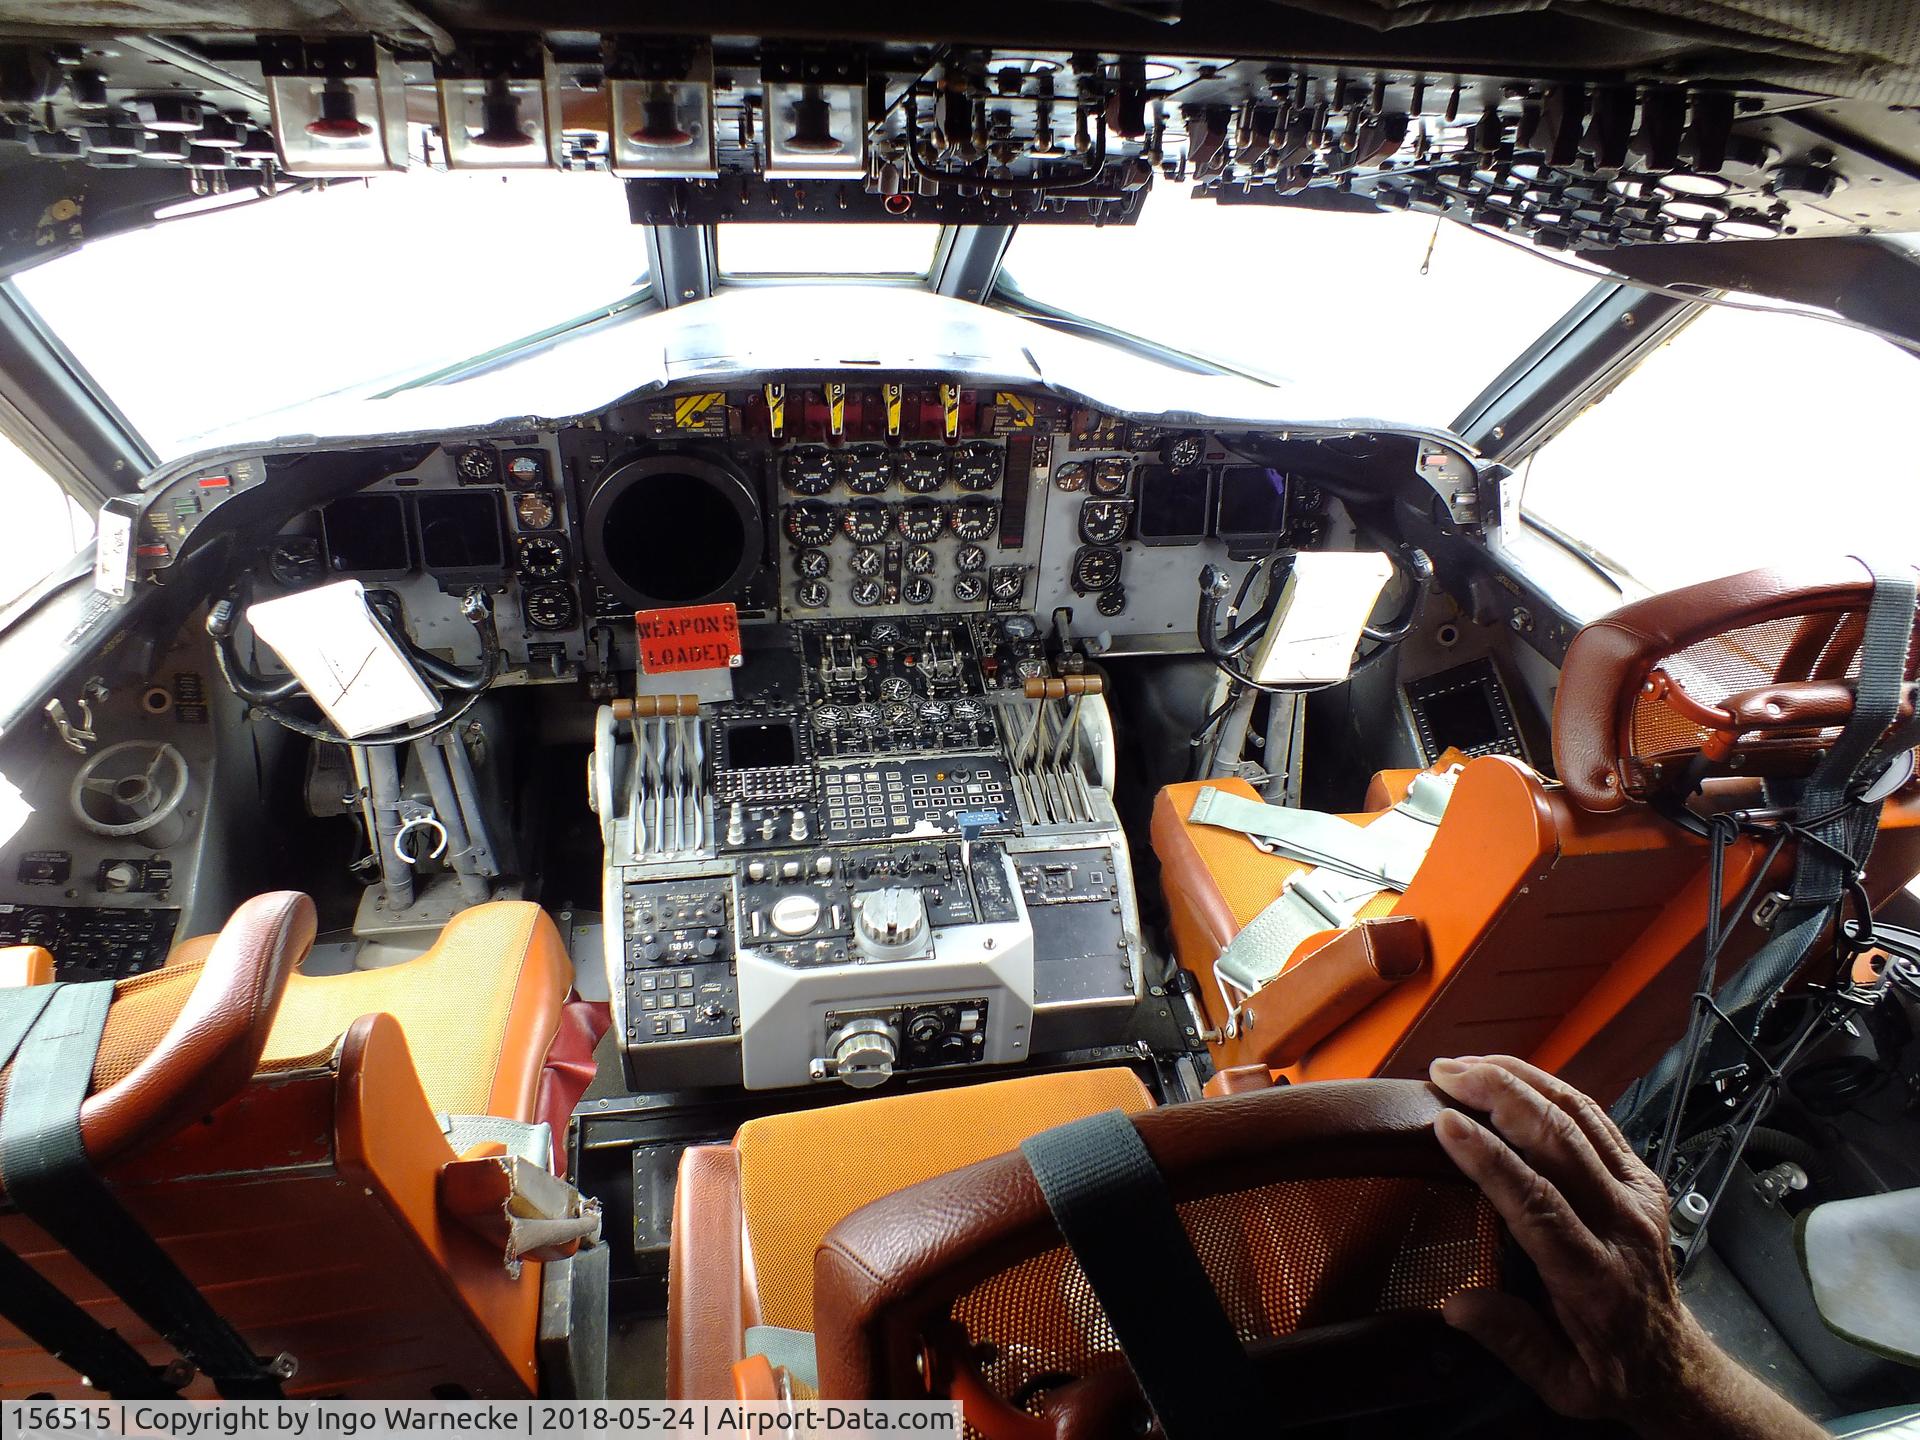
x: 272, y: 696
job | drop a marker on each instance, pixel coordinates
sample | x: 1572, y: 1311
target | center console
x: 888, y: 846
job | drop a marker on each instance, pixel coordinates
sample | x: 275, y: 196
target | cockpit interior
x: 1096, y: 721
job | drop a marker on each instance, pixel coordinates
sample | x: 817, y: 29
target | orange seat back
x: 305, y: 1206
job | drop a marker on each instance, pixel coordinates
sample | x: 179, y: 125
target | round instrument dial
x: 298, y: 560
x: 1071, y: 476
x: 1112, y: 600
x: 884, y: 633
x: 968, y: 589
x: 812, y: 594
x: 917, y: 591
x: 978, y: 465
x: 925, y: 469
x: 865, y: 717
x: 1109, y: 477
x: 813, y: 564
x: 1102, y: 522
x: 920, y: 560
x: 968, y: 711
x: 1095, y: 568
x: 811, y: 523
x: 544, y: 557
x: 969, y: 558
x: 1007, y: 582
x: 551, y: 607
x: 973, y: 519
x: 933, y: 712
x: 865, y: 521
x: 895, y: 688
x: 829, y: 717
x: 534, y: 510
x: 898, y: 716
x: 476, y: 462
x: 1182, y: 452
x: 526, y: 469
x: 871, y: 469
x: 810, y: 470
x: 867, y: 561
x: 868, y: 592
x: 1019, y: 627
x: 922, y: 520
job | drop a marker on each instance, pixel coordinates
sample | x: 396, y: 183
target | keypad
x: 860, y: 803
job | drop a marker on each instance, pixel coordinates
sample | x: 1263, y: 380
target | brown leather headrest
x: 901, y: 1260
x: 212, y: 1048
x: 1610, y: 659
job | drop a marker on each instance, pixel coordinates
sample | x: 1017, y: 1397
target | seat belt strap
x: 1386, y: 852
x: 44, y: 1166
x: 31, y: 1304
x: 1381, y: 855
x: 1116, y: 1215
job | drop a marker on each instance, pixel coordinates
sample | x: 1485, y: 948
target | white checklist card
x: 1328, y: 597
x: 348, y: 663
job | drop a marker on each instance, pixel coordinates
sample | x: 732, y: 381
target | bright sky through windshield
x: 825, y: 248
x: 199, y: 323
x: 1335, y: 304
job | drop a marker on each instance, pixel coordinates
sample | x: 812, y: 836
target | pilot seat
x: 1560, y: 922
x: 356, y: 1171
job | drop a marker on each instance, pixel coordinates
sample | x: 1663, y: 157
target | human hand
x: 1619, y: 1343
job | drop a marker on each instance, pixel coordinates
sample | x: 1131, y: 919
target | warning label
x: 688, y: 637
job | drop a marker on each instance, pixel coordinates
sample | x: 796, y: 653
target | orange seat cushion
x: 801, y: 1173
x: 479, y: 1009
x: 1217, y: 880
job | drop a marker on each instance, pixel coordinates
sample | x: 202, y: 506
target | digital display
x: 461, y: 530
x: 1463, y: 717
x: 366, y: 534
x: 1253, y: 503
x: 1173, y: 504
x: 760, y: 747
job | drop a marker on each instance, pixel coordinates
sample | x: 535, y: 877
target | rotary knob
x: 795, y: 914
x: 892, y: 922
x: 864, y: 1053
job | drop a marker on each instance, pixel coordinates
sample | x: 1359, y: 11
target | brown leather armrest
x: 1324, y: 989
x: 1237, y: 1080
x: 24, y: 965
x: 706, y: 1324
x: 213, y: 1047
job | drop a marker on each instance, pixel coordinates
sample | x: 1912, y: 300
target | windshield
x: 1394, y: 315
x: 213, y: 323
x: 1749, y: 438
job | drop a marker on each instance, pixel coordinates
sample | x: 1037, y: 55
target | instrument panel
x: 790, y: 500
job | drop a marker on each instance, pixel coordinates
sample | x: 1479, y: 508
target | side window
x: 1747, y: 439
x: 44, y: 526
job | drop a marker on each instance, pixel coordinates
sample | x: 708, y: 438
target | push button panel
x: 679, y: 970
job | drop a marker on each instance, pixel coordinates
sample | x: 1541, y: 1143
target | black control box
x: 92, y: 942
x: 679, y: 972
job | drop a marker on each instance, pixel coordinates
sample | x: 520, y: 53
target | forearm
x: 1711, y: 1396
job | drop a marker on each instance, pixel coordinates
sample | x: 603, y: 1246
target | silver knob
x: 120, y: 876
x: 864, y: 1053
x: 890, y: 923
x: 797, y: 829
x: 736, y: 825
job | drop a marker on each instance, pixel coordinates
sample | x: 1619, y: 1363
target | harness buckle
x: 1769, y: 907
